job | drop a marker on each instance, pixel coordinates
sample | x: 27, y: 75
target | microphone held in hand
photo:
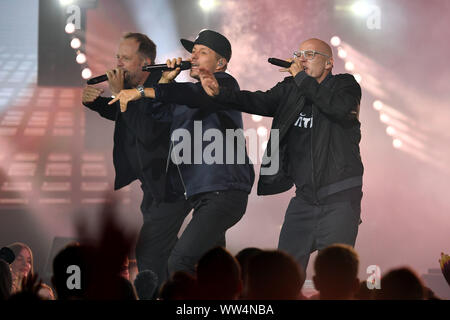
x: 185, y: 65
x: 98, y: 79
x: 163, y: 67
x: 279, y: 62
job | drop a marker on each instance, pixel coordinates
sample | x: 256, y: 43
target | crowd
x: 103, y: 272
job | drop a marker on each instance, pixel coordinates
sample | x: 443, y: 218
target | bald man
x: 316, y: 115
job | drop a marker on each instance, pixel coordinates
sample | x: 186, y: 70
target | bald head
x: 318, y: 45
x: 319, y: 65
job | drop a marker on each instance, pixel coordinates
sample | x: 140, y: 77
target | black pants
x: 158, y: 248
x: 307, y: 227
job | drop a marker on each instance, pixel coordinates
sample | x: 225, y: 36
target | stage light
x: 361, y: 8
x: 335, y: 41
x: 358, y: 77
x: 70, y: 28
x: 81, y: 58
x: 86, y: 73
x: 207, y: 4
x: 377, y: 105
x: 342, y: 53
x: 397, y: 143
x: 262, y: 131
x: 256, y: 118
x: 384, y: 118
x: 75, y: 43
x: 65, y: 2
x: 349, y: 66
x: 391, y: 131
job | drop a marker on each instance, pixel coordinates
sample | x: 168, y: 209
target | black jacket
x: 149, y: 129
x: 190, y: 104
x: 336, y: 160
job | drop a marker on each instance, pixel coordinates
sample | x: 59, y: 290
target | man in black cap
x: 215, y: 183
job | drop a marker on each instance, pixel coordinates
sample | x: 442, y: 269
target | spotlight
x: 391, y: 131
x: 207, y: 4
x: 397, y: 143
x: 256, y: 118
x: 86, y: 73
x: 262, y: 131
x: 361, y: 8
x: 81, y: 58
x: 342, y: 53
x: 65, y: 2
x: 358, y: 77
x: 75, y: 43
x: 377, y: 105
x: 70, y: 28
x: 349, y: 66
x: 384, y: 118
x: 335, y: 41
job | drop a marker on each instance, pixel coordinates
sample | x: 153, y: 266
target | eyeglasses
x: 308, y: 54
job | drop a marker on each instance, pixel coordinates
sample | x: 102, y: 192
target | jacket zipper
x: 312, y: 159
x: 178, y: 169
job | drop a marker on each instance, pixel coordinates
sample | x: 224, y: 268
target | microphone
x: 153, y: 67
x: 98, y: 79
x: 279, y: 63
x: 163, y: 67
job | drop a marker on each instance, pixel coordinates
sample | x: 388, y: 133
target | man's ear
x: 221, y: 63
x: 147, y: 61
x: 329, y: 63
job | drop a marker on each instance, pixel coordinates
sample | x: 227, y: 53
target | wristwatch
x: 140, y: 88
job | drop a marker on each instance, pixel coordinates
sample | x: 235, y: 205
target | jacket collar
x: 153, y: 78
x: 326, y: 82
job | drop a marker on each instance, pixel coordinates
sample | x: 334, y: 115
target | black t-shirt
x: 300, y: 153
x: 300, y: 160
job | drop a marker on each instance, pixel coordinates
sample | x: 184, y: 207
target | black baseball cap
x: 212, y: 40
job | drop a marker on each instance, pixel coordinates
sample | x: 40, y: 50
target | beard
x: 127, y: 81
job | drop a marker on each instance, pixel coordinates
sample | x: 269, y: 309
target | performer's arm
x: 341, y: 104
x: 193, y: 95
x: 91, y: 98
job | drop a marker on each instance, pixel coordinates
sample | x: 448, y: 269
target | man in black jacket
x: 141, y: 146
x: 215, y: 183
x: 316, y: 120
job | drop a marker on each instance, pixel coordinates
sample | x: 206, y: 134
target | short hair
x: 72, y: 254
x: 147, y: 47
x: 401, y: 284
x: 218, y: 274
x: 337, y: 266
x: 274, y: 275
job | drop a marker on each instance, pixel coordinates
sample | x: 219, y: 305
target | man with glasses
x: 316, y: 114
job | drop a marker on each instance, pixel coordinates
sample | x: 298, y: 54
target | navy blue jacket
x: 192, y: 105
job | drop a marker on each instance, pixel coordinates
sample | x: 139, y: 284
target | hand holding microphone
x: 116, y: 80
x: 173, y: 70
x: 289, y: 65
x: 184, y: 65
